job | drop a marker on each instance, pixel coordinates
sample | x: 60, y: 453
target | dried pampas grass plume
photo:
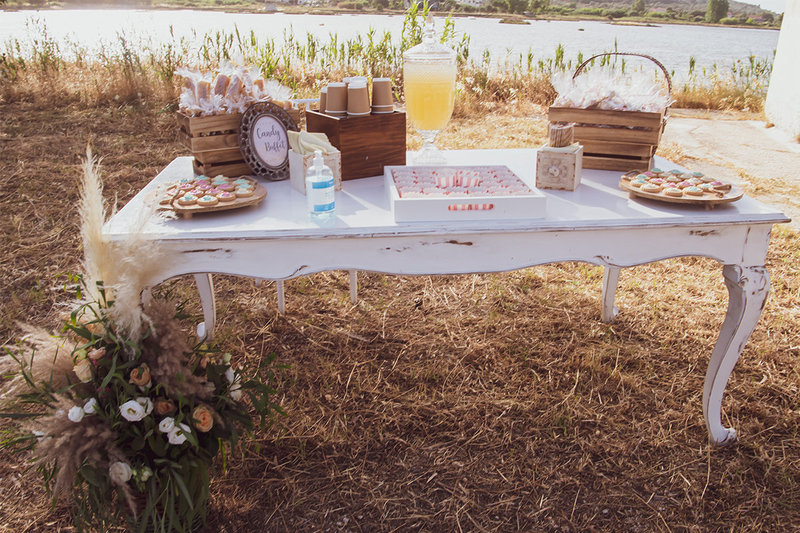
x: 124, y: 267
x: 44, y: 357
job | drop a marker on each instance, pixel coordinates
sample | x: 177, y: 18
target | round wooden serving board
x: 171, y: 195
x: 709, y: 199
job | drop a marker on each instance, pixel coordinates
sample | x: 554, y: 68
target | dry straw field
x: 469, y: 403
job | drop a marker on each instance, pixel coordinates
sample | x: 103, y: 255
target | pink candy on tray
x: 455, y: 182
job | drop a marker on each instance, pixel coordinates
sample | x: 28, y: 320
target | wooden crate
x: 214, y: 142
x: 614, y: 140
x: 367, y: 143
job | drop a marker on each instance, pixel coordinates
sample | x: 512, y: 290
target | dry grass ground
x: 467, y: 403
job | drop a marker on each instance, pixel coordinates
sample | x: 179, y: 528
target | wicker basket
x: 615, y: 140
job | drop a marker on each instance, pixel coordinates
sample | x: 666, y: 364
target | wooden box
x: 559, y: 168
x: 214, y: 142
x: 367, y: 143
x: 614, y: 140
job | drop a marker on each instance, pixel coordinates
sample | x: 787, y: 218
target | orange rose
x: 141, y: 376
x: 202, y: 418
x: 83, y: 369
x: 164, y: 407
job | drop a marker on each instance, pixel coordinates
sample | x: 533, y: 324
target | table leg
x: 608, y: 311
x: 205, y: 287
x: 281, y: 296
x: 747, y: 292
x: 353, y: 286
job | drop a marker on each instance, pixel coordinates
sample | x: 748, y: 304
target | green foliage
x: 539, y: 6
x: 615, y: 13
x: 638, y: 8
x: 517, y: 6
x: 716, y: 10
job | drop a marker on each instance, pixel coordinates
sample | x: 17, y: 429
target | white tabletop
x: 362, y: 208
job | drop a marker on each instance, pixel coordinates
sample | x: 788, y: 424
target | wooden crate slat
x: 224, y: 141
x: 638, y: 119
x: 231, y: 155
x: 625, y: 135
x: 616, y: 163
x: 614, y: 148
x: 228, y: 169
x: 197, y: 125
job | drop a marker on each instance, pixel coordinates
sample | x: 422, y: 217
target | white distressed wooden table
x: 598, y: 223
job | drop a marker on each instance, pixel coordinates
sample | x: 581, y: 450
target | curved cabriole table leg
x: 747, y: 292
x: 608, y: 311
x: 205, y: 287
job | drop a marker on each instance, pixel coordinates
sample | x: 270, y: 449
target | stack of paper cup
x: 336, y: 101
x: 357, y: 98
x: 323, y: 99
x: 382, y: 102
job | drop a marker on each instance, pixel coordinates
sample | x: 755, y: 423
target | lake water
x: 673, y: 45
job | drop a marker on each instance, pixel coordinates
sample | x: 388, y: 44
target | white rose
x: 132, y: 411
x: 166, y: 425
x: 76, y: 414
x: 120, y: 473
x: 90, y: 407
x: 236, y: 385
x: 146, y: 403
x: 178, y: 434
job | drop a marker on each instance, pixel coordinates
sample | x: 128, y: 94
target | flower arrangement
x: 131, y: 410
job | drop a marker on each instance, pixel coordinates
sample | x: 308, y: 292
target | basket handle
x: 654, y: 60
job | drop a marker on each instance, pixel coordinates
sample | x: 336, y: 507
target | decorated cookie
x: 244, y: 192
x: 225, y: 196
x: 674, y: 179
x: 242, y: 181
x: 657, y: 181
x: 673, y: 192
x: 227, y: 187
x: 651, y: 188
x: 684, y: 184
x: 207, y: 200
x: 693, y: 191
x: 187, y: 199
x: 190, y: 179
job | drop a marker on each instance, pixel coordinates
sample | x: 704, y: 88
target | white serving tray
x: 528, y: 206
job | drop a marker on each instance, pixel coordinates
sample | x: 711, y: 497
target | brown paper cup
x: 357, y: 99
x: 336, y: 102
x: 382, y: 92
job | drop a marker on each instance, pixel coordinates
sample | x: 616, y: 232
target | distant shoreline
x: 332, y: 11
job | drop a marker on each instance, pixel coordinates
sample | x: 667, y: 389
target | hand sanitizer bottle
x: 319, y: 190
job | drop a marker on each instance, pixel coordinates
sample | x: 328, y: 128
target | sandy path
x: 740, y: 149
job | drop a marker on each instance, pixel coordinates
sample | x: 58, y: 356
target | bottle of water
x: 319, y: 190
